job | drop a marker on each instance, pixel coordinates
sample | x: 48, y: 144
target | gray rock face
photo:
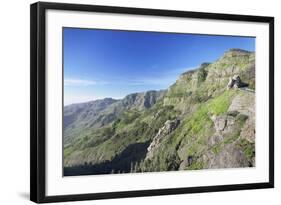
x: 215, y: 139
x: 225, y: 125
x: 232, y: 128
x: 186, y: 162
x: 229, y: 157
x: 143, y: 100
x: 169, y: 126
x: 220, y: 122
x: 236, y: 82
x: 248, y: 132
x: 245, y: 104
x: 85, y: 110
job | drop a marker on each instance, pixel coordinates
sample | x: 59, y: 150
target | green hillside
x: 197, y: 123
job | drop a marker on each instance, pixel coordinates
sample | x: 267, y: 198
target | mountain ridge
x: 196, y: 123
x: 109, y: 109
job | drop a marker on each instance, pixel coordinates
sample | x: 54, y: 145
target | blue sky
x: 107, y: 63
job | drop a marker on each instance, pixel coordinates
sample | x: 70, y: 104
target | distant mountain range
x: 95, y: 114
x: 197, y: 123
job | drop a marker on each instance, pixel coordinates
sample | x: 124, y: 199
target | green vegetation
x: 197, y: 165
x: 202, y: 73
x: 220, y: 104
x: 231, y: 137
x: 115, y: 138
x: 248, y: 148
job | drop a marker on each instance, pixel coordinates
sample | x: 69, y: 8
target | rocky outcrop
x: 234, y: 62
x: 219, y: 122
x: 236, y: 82
x: 230, y: 156
x: 186, y: 162
x: 224, y: 125
x: 216, y: 127
x: 245, y: 104
x: 168, y: 128
x: 142, y: 100
x: 234, y: 128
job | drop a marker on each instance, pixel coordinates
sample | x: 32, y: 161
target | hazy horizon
x: 102, y: 64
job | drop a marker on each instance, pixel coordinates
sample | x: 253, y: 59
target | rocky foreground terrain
x: 206, y: 119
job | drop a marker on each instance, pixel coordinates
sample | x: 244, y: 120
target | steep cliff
x: 198, y: 123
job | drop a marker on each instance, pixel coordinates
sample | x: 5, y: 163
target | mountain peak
x: 196, y: 124
x: 237, y: 51
x: 143, y: 99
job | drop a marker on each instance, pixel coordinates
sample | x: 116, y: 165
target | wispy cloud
x: 82, y: 82
x: 146, y: 81
x: 166, y: 78
x: 82, y: 90
x: 78, y: 82
x: 154, y: 78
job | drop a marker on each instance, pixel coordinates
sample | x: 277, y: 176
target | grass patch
x: 197, y: 165
x: 67, y: 151
x: 216, y: 149
x: 220, y: 104
x: 199, y: 119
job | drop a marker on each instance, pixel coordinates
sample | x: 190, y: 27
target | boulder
x: 230, y: 83
x: 215, y: 139
x: 169, y: 126
x: 236, y: 82
x: 219, y: 122
x: 230, y: 156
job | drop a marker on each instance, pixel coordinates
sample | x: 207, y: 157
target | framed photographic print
x: 129, y: 102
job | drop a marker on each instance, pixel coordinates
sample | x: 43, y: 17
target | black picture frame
x: 38, y: 103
